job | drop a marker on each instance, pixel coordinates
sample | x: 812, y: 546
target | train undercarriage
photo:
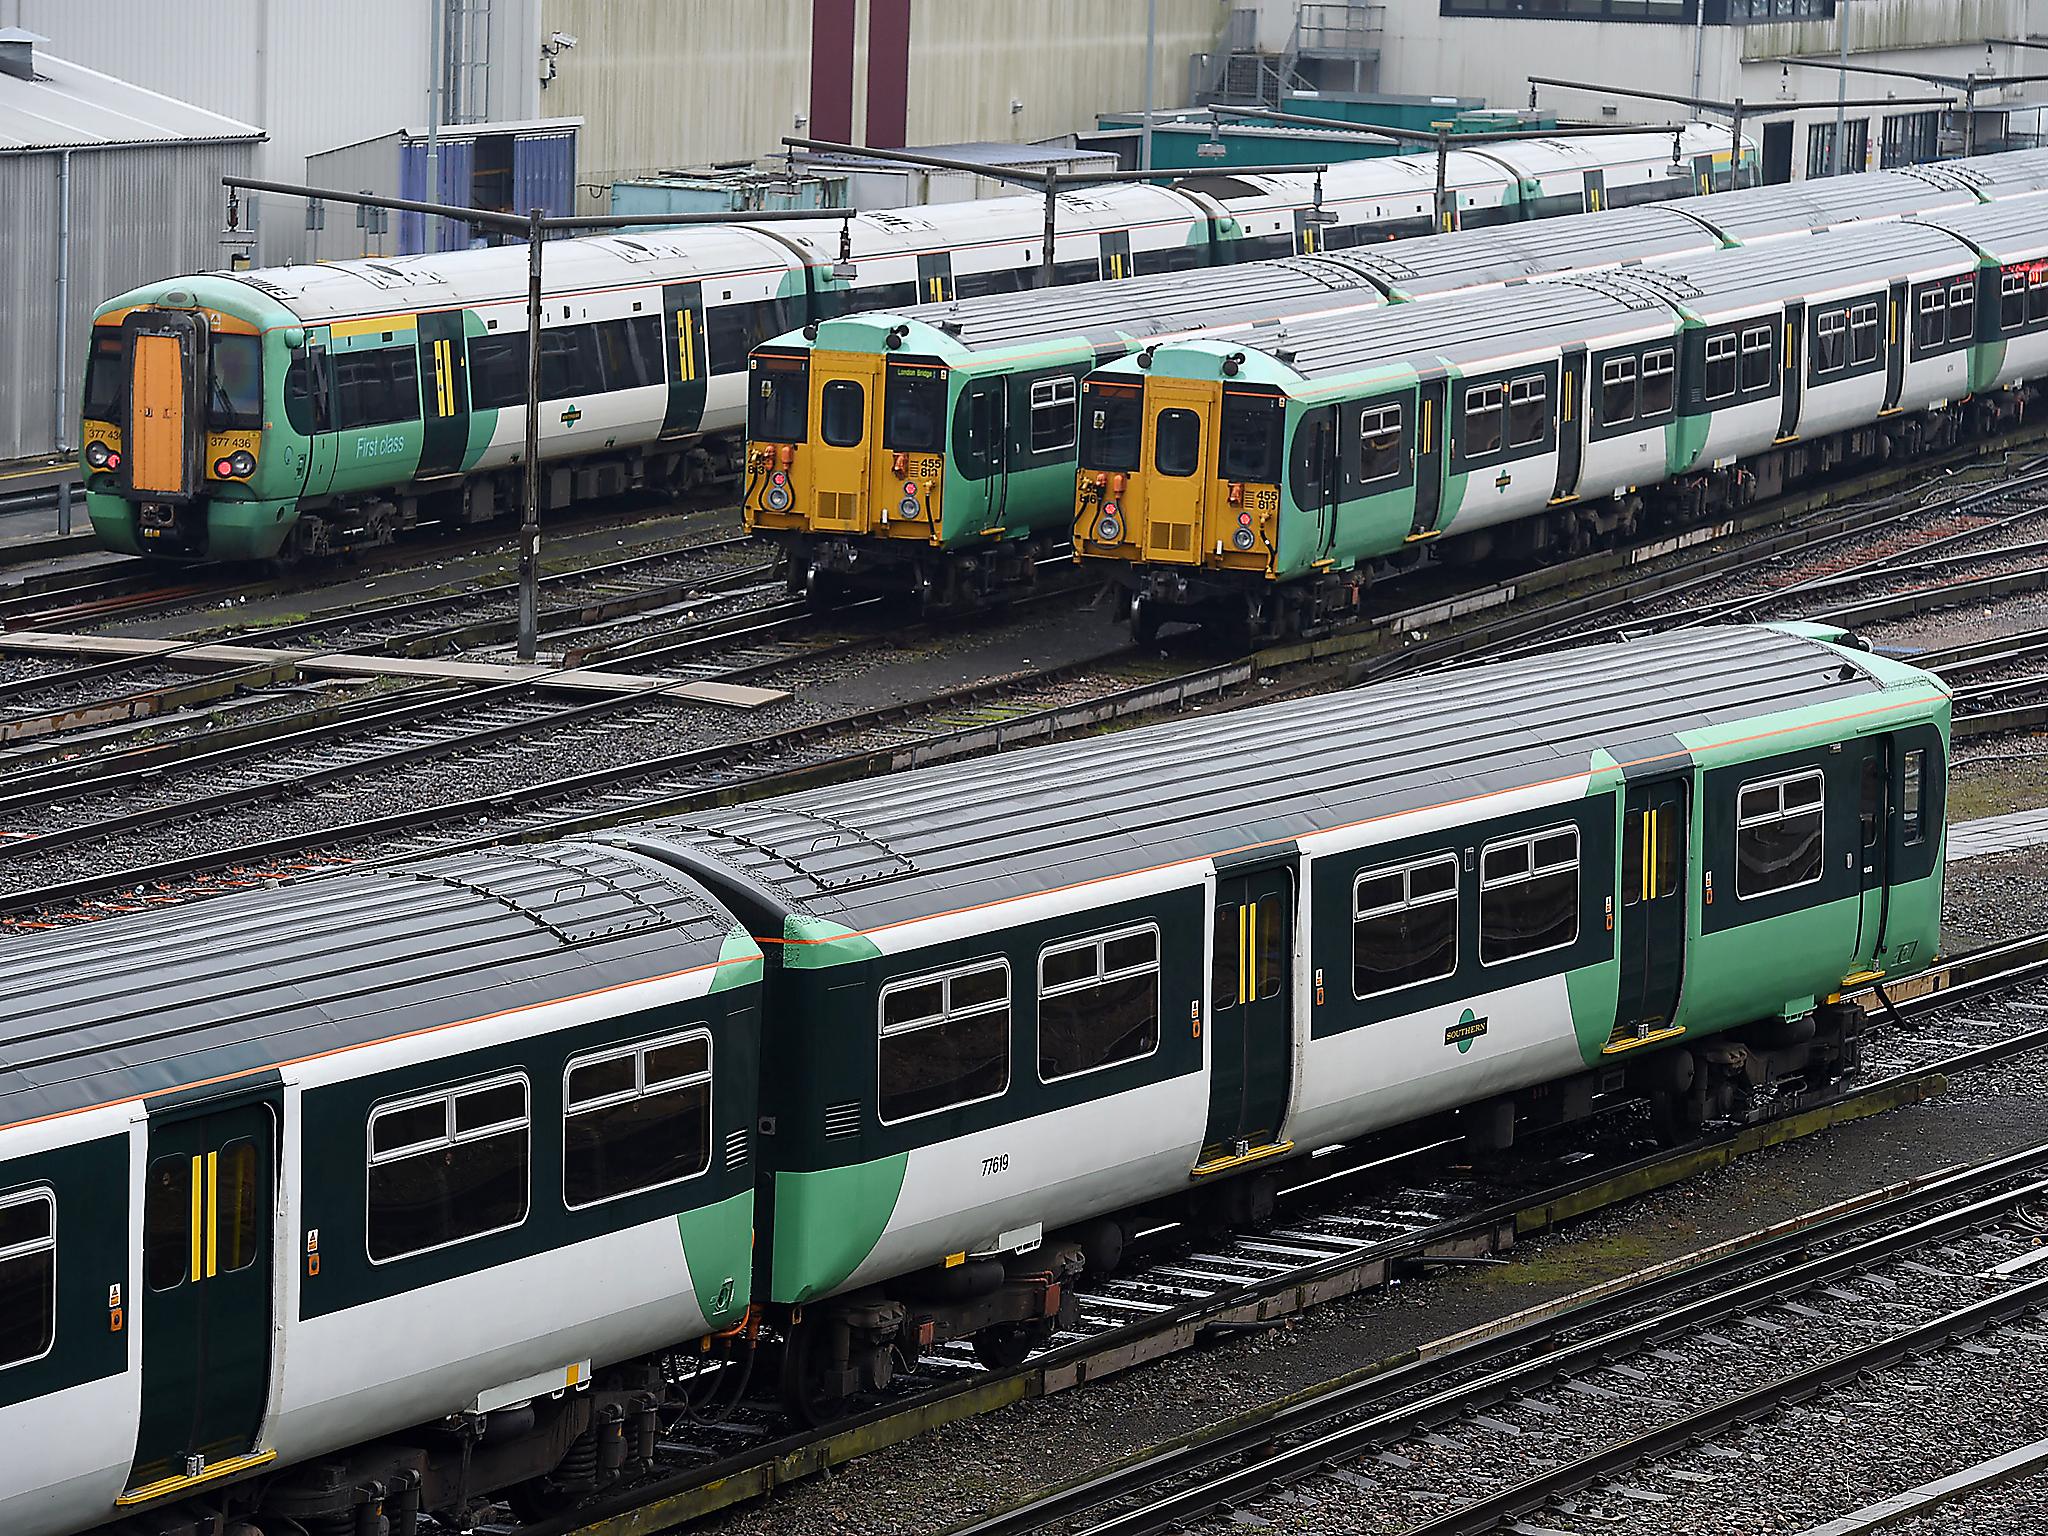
x: 831, y: 570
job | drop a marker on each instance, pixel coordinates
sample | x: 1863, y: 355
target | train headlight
x: 778, y: 498
x: 908, y: 506
x: 1109, y: 527
x: 242, y: 461
x: 96, y: 455
x: 1242, y: 538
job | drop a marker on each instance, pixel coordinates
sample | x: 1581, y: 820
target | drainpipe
x: 63, y: 370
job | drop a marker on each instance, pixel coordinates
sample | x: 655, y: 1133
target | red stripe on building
x: 832, y: 69
x: 888, y: 73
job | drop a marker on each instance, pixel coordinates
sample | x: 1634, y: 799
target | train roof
x: 1796, y: 208
x: 2014, y: 230
x: 1105, y: 313
x: 157, y: 1001
x: 1809, y: 267
x: 1505, y: 253
x: 891, y: 850
x: 2008, y: 173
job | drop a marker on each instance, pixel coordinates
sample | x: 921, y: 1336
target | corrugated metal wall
x: 371, y: 166
x: 136, y: 215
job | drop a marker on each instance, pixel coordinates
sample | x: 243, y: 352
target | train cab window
x: 914, y: 409
x: 448, y: 1166
x: 167, y: 1223
x: 1863, y: 334
x: 1225, y: 974
x: 1484, y: 407
x: 1177, y: 443
x: 1112, y: 421
x: 2012, y: 301
x: 1779, y: 833
x: 1912, y: 797
x: 1528, y: 894
x: 1930, y: 318
x: 1379, y: 443
x: 1720, y: 374
x: 778, y: 399
x: 636, y: 1118
x: 842, y: 413
x: 1659, y: 371
x: 1528, y: 411
x: 1962, y: 309
x: 1831, y: 341
x: 945, y: 1040
x: 1405, y: 925
x: 1098, y: 1002
x: 1617, y: 391
x: 1249, y: 442
x: 235, y: 391
x: 1756, y: 358
x: 1055, y: 416
x: 28, y: 1276
x: 103, y: 375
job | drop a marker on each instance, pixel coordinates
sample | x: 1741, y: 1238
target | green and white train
x: 377, y: 1193
x: 1261, y: 483
x: 304, y: 410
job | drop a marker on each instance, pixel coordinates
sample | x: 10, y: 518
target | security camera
x: 563, y: 39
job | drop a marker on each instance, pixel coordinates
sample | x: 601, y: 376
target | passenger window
x: 2037, y: 295
x: 731, y: 331
x: 1779, y: 833
x: 1863, y: 334
x: 374, y: 389
x: 497, y: 371
x: 842, y: 413
x: 1870, y: 800
x: 1271, y: 936
x: 1930, y: 319
x: 1528, y: 411
x: 945, y: 1040
x: 1483, y: 410
x: 1177, y: 443
x: 1055, y: 415
x: 28, y: 1276
x: 238, y: 1207
x: 1756, y: 358
x: 1379, y: 443
x: 636, y: 1118
x: 569, y: 363
x: 1528, y: 895
x: 1658, y: 372
x: 1831, y: 341
x: 1617, y: 391
x: 1962, y: 309
x: 1223, y: 957
x: 2012, y: 301
x: 1405, y: 925
x: 1720, y: 379
x: 448, y: 1166
x: 1912, y: 797
x: 1098, y: 1002
x: 167, y: 1222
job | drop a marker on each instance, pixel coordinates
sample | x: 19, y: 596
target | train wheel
x: 804, y: 1363
x: 1005, y: 1346
x: 1144, y: 621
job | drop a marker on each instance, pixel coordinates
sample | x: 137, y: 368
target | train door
x: 1650, y: 928
x: 682, y: 321
x: 1431, y: 401
x: 1790, y: 369
x: 935, y: 277
x: 209, y: 1199
x: 166, y: 418
x: 444, y: 397
x: 1116, y: 253
x: 317, y: 406
x: 1571, y: 426
x: 846, y: 398
x: 1251, y: 1014
x: 1180, y: 425
x: 1308, y: 235
x: 983, y: 452
x: 1596, y: 191
x: 1873, y: 846
x: 1314, y: 474
x: 1895, y: 346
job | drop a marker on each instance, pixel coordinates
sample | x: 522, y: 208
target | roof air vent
x: 18, y: 52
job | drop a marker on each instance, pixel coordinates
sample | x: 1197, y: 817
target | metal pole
x: 1444, y: 219
x: 529, y: 525
x: 63, y: 370
x: 1969, y: 113
x: 437, y: 27
x: 1734, y: 148
x: 1841, y: 80
x: 1052, y: 189
x: 1151, y: 46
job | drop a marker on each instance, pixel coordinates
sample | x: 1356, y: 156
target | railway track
x: 1349, y: 1222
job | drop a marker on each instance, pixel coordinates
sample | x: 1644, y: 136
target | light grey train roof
x: 160, y: 1000
x: 1466, y: 328
x: 1758, y: 213
x: 1154, y: 305
x: 2015, y: 230
x: 1869, y: 255
x: 2005, y: 174
x: 1505, y: 253
x: 951, y: 838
